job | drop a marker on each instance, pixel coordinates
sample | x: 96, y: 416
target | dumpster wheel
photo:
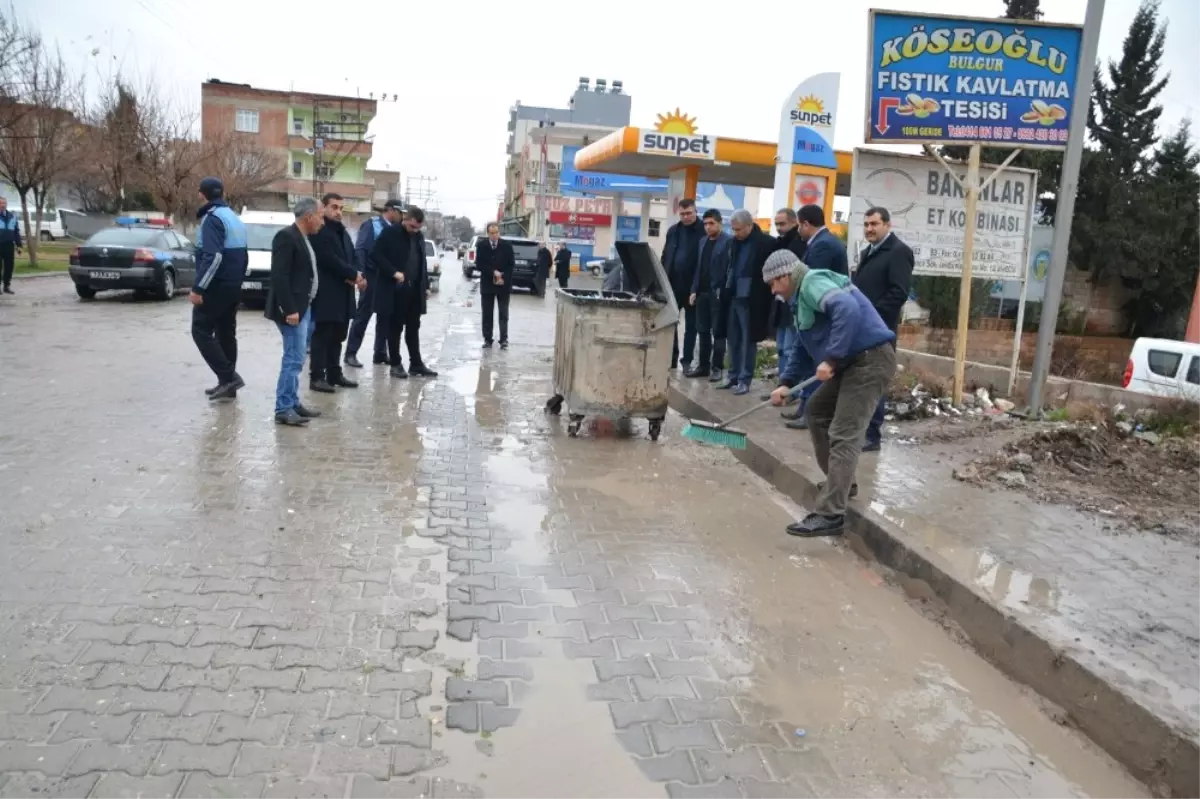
x: 655, y: 428
x: 575, y: 424
x: 554, y: 404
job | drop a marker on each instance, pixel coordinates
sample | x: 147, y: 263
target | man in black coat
x: 403, y: 291
x: 333, y: 307
x: 294, y: 284
x: 496, y: 263
x: 544, y: 261
x: 783, y: 318
x: 680, y: 255
x: 884, y: 276
x: 562, y: 265
x: 364, y: 246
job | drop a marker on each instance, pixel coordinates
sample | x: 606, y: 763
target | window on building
x: 655, y: 224
x: 1163, y: 363
x: 246, y: 121
x: 324, y: 171
x: 297, y: 168
x: 297, y: 124
x: 1193, y: 374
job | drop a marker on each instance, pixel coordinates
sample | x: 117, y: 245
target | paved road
x: 434, y: 591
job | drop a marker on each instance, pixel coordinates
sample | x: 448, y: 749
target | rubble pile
x: 904, y: 404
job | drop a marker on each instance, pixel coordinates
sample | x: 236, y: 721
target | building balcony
x: 352, y: 147
x: 304, y: 186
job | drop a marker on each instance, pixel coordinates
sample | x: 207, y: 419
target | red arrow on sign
x: 884, y: 104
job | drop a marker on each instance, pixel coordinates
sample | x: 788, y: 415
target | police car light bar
x: 130, y: 221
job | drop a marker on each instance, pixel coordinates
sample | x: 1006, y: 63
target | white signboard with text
x: 927, y: 209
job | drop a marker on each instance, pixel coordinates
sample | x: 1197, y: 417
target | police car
x: 261, y: 227
x: 140, y: 254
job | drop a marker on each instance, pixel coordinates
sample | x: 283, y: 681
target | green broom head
x: 706, y: 433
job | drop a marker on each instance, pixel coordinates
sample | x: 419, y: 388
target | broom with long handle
x: 722, y: 435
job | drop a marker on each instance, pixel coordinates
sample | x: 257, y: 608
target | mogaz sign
x: 958, y: 79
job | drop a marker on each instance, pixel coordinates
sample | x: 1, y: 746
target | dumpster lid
x: 645, y: 275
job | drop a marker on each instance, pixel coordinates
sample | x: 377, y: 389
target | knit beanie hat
x: 784, y: 262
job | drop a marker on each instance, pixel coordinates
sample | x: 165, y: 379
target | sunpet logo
x: 811, y: 111
x: 676, y: 144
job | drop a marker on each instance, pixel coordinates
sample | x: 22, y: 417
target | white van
x: 1164, y: 368
x: 261, y: 227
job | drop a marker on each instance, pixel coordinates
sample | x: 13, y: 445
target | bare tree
x: 244, y: 166
x: 170, y: 158
x: 119, y: 137
x: 16, y: 44
x: 39, y: 132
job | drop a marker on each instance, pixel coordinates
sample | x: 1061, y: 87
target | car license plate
x: 252, y: 285
x: 106, y: 275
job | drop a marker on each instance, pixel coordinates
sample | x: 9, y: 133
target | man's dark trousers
x: 712, y: 348
x: 875, y: 428
x: 8, y: 257
x: 689, y: 332
x: 490, y: 301
x: 362, y: 315
x: 214, y: 328
x: 325, y: 362
x: 406, y: 319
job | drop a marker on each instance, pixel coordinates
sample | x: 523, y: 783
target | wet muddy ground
x: 435, y: 591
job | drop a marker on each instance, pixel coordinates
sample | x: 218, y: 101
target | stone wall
x: 1099, y: 359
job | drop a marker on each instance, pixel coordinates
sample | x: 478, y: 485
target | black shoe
x: 8, y: 290
x: 716, y: 376
x: 790, y: 415
x: 398, y: 372
x: 290, y: 418
x: 799, y: 423
x: 674, y: 366
x: 208, y: 392
x: 421, y: 370
x: 306, y: 413
x: 872, y: 446
x: 228, y: 390
x: 503, y: 345
x: 320, y: 386
x: 487, y: 345
x: 378, y: 359
x: 699, y: 371
x: 815, y: 525
x: 343, y: 381
x: 853, y: 489
x: 353, y: 361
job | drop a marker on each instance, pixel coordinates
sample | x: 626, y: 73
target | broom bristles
x: 718, y: 436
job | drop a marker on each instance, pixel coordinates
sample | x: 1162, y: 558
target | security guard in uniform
x: 221, y: 258
x: 364, y: 247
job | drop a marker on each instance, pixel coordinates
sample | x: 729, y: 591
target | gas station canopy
x: 653, y: 154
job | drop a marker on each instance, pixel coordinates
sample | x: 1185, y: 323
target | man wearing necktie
x: 884, y: 276
x: 496, y: 262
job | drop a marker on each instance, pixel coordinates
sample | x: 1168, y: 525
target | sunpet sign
x: 680, y: 145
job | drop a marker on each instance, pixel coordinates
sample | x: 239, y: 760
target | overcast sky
x: 458, y: 67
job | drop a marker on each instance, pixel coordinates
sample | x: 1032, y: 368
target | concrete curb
x: 63, y: 273
x: 1162, y: 757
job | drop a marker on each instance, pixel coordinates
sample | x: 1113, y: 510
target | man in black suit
x: 403, y: 291
x: 294, y: 284
x: 884, y: 276
x: 562, y: 265
x: 496, y: 262
x: 333, y: 307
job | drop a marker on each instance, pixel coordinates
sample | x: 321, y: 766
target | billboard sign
x: 958, y: 79
x: 807, y: 123
x: 926, y: 206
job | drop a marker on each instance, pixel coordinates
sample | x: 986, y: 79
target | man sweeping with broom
x: 851, y: 346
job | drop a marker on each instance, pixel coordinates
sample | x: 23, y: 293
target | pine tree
x: 1109, y: 233
x: 1124, y: 117
x: 1022, y: 9
x: 1166, y: 239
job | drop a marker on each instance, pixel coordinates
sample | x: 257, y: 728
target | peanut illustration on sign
x: 918, y: 106
x: 1044, y: 114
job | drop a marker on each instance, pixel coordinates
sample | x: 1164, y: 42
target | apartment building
x: 320, y: 140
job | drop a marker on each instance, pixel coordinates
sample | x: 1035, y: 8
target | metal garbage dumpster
x: 612, y: 349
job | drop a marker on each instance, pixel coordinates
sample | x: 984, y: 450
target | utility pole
x: 1065, y: 210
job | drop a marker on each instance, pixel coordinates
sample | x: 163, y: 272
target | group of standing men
x: 315, y: 269
x: 725, y: 286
